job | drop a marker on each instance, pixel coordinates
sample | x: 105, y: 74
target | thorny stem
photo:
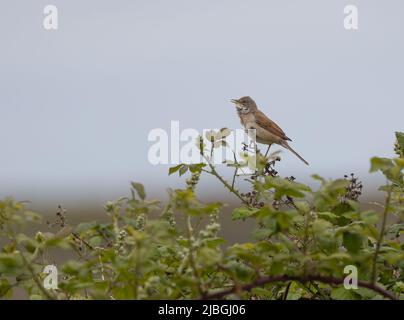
x: 302, y: 279
x: 218, y: 176
x: 381, y: 234
x: 235, y: 170
x: 213, y: 172
x: 225, y: 183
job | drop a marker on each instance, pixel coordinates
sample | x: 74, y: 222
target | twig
x: 302, y: 279
x: 285, y: 295
x: 235, y: 170
x: 83, y: 241
x: 35, y: 278
x: 224, y: 182
x: 218, y: 176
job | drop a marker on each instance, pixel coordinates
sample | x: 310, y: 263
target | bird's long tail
x: 287, y: 146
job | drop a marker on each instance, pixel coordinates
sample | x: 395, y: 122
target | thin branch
x: 302, y: 279
x: 214, y: 173
x: 89, y: 246
x: 285, y: 295
x: 218, y: 176
x: 235, y: 169
x: 45, y: 292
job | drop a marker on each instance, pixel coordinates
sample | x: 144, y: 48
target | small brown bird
x: 267, y: 131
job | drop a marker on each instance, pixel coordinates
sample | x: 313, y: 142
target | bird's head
x: 244, y: 105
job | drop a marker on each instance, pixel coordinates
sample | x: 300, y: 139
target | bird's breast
x: 245, y: 119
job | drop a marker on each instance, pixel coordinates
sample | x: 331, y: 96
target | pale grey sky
x: 77, y: 104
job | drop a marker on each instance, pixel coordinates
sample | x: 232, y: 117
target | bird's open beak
x: 236, y: 102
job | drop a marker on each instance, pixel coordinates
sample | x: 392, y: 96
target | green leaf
x: 261, y: 292
x: 400, y: 141
x: 85, y: 226
x: 344, y: 294
x: 208, y: 256
x: 183, y: 169
x: 284, y: 187
x: 399, y: 162
x: 214, y: 242
x: 329, y: 216
x: 5, y: 289
x: 367, y: 294
x: 196, y: 167
x: 174, y: 169
x: 139, y: 189
x: 396, y: 229
x: 9, y: 263
x: 243, y: 213
x: 33, y: 216
x: 320, y: 225
x: 95, y: 241
x: 352, y: 241
x: 370, y: 217
x: 211, y: 136
x: 318, y: 178
x: 241, y: 271
x: 382, y: 164
x: 225, y: 132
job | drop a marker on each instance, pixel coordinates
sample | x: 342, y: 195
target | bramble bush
x: 303, y: 240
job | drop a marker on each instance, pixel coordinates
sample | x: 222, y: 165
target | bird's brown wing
x: 266, y: 123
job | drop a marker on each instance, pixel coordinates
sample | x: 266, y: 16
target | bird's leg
x: 266, y: 153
